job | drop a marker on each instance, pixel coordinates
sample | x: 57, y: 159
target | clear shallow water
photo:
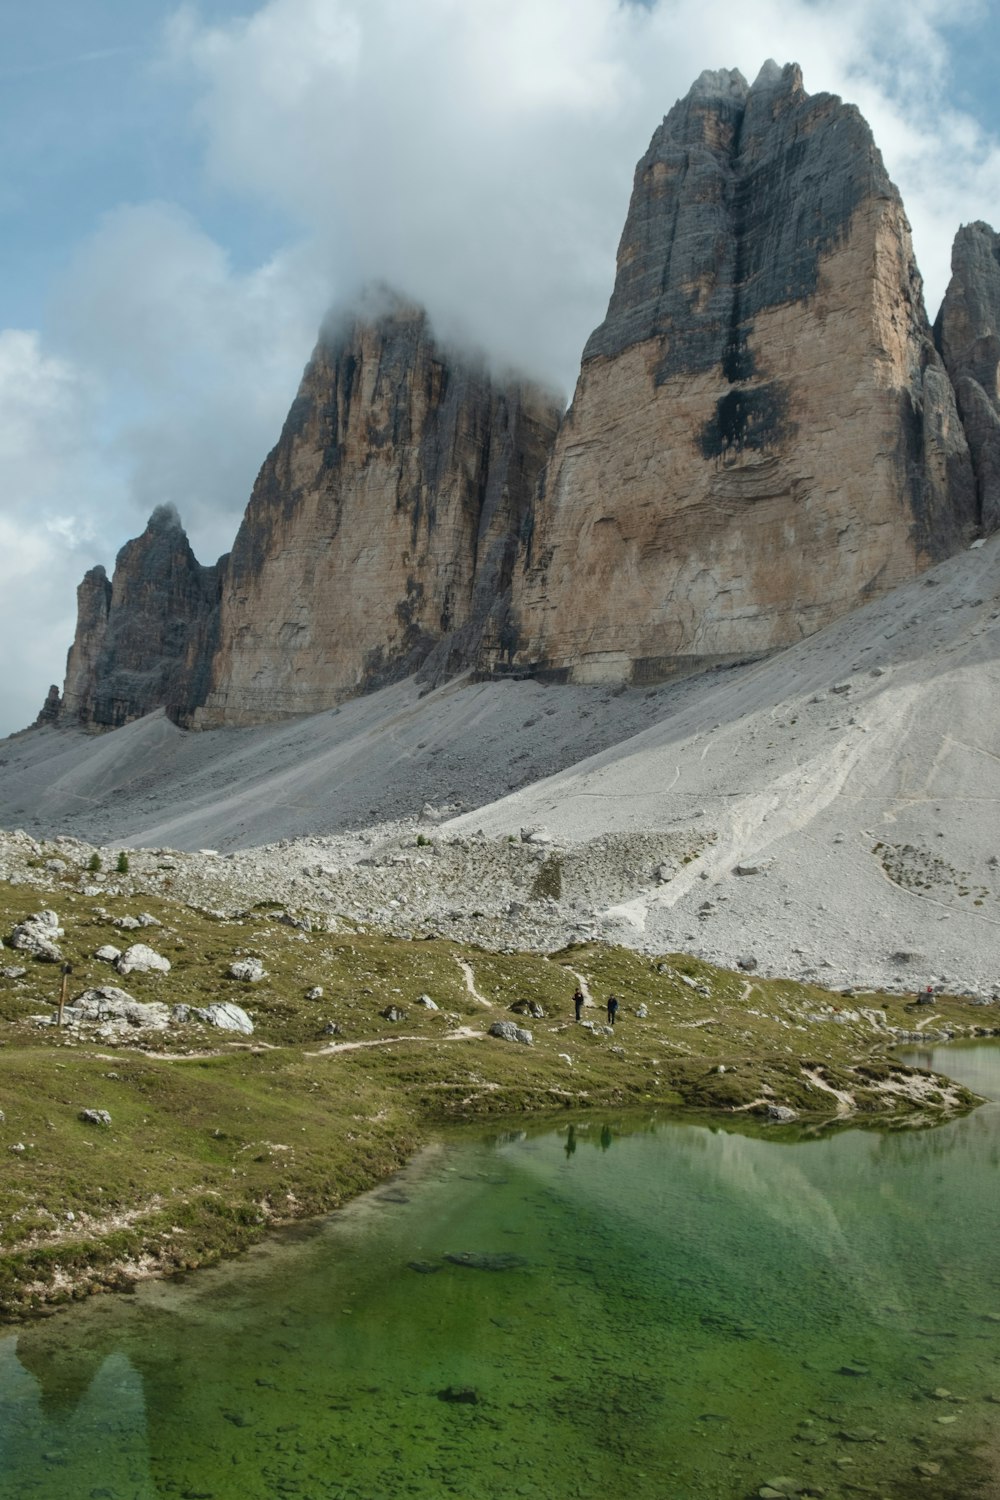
x: 684, y: 1312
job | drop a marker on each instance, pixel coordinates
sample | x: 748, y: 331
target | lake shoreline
x: 362, y: 1046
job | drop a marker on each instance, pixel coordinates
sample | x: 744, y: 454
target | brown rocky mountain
x: 381, y: 532
x: 764, y: 435
x: 967, y: 331
x: 382, y: 527
x: 145, y: 639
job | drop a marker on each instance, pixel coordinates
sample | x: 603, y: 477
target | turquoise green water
x: 682, y: 1312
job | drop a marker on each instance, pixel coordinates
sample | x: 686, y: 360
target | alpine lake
x: 653, y: 1308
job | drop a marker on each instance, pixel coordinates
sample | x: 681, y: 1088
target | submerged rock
x: 485, y: 1261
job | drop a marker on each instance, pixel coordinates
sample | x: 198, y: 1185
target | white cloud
x: 50, y: 486
x: 173, y: 376
x: 205, y: 360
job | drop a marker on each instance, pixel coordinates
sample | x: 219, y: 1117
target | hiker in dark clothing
x: 578, y: 1004
x: 612, y: 1009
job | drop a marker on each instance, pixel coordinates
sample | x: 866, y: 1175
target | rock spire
x: 763, y: 435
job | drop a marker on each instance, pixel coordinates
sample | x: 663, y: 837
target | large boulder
x: 108, y: 1003
x: 226, y: 1016
x: 37, y: 935
x: 508, y: 1032
x: 141, y: 959
x: 249, y: 970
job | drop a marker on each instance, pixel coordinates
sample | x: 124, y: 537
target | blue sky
x: 184, y: 189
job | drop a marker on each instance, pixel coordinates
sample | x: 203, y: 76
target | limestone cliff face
x: 93, y: 603
x: 383, y: 527
x: 967, y: 332
x: 144, y: 639
x: 763, y: 435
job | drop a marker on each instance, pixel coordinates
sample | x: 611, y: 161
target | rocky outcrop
x: 145, y: 639
x: 382, y: 527
x: 763, y: 435
x: 967, y: 332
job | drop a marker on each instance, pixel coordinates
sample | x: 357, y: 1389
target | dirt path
x: 588, y: 998
x: 460, y: 1034
x: 470, y: 980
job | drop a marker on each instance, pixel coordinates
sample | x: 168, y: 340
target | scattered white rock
x: 226, y: 1016
x: 141, y: 959
x: 110, y: 1004
x: 95, y: 1116
x: 427, y: 1002
x: 250, y: 970
x: 38, y: 936
x: 108, y: 953
x: 316, y: 993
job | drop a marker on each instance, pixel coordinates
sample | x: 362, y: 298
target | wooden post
x: 67, y: 970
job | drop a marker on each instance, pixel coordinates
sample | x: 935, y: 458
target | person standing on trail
x: 612, y: 1009
x: 578, y: 1003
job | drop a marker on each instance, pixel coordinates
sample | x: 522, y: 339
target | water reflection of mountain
x: 74, y: 1420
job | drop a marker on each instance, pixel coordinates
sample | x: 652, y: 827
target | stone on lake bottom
x: 485, y: 1261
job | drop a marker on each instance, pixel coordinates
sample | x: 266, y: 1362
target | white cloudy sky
x: 185, y: 188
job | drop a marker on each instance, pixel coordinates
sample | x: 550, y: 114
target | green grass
x: 214, y: 1137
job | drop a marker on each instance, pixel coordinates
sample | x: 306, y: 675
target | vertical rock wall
x: 144, y: 639
x: 967, y: 332
x: 382, y: 527
x: 763, y: 435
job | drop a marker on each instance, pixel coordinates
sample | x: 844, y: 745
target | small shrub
x: 94, y: 862
x: 122, y: 866
x: 422, y: 841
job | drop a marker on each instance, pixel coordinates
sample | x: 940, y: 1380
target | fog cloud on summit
x: 476, y: 156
